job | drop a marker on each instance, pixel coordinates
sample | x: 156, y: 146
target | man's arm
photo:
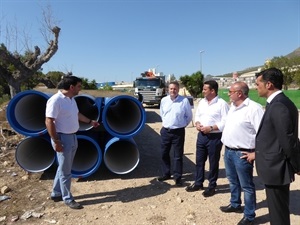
x: 84, y: 119
x: 50, y: 125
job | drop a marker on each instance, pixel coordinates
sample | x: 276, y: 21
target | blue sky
x: 116, y: 40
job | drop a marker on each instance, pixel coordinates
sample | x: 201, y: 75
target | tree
x: 193, y: 83
x: 52, y: 78
x: 107, y: 87
x: 288, y: 66
x: 88, y: 85
x: 16, y: 68
x: 32, y: 81
x: 296, y: 69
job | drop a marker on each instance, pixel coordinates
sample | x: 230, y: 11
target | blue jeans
x: 62, y: 180
x: 239, y: 173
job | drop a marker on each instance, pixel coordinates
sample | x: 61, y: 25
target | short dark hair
x: 175, y: 83
x: 212, y: 85
x: 273, y: 75
x: 67, y: 81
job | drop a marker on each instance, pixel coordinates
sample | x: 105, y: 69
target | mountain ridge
x: 295, y: 53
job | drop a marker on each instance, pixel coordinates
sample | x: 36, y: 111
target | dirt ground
x: 133, y: 198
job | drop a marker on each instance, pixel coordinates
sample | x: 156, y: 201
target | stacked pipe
x: 122, y: 117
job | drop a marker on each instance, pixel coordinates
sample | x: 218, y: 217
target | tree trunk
x: 15, y: 71
x: 14, y: 88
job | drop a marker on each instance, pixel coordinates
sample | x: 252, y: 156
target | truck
x: 150, y: 87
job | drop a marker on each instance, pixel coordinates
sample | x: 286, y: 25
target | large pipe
x: 88, y: 157
x: 26, y: 113
x: 90, y: 107
x: 123, y: 116
x: 121, y: 156
x: 35, y: 154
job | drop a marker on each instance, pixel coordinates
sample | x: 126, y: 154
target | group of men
x: 248, y: 133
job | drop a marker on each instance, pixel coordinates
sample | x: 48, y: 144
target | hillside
x: 295, y: 53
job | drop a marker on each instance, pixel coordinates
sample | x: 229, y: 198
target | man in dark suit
x: 275, y: 140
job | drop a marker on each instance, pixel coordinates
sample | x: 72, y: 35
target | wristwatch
x: 211, y: 128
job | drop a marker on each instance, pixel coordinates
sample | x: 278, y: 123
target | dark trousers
x: 172, y: 139
x: 278, y: 198
x: 208, y: 145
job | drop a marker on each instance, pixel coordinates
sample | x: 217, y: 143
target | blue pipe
x: 26, y: 113
x: 123, y: 116
x: 35, y: 154
x: 121, y: 156
x: 90, y: 107
x: 88, y: 157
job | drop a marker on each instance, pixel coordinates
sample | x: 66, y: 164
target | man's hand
x: 249, y: 156
x: 58, y: 146
x: 94, y: 123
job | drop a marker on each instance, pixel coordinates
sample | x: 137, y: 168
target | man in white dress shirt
x: 209, y: 120
x: 238, y: 136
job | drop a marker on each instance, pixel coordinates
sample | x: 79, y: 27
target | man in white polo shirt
x: 62, y: 122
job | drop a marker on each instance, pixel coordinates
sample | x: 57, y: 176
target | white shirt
x: 175, y: 113
x: 213, y: 113
x: 270, y: 98
x: 242, y: 124
x: 65, y: 112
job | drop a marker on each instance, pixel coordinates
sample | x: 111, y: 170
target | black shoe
x: 178, y: 182
x: 163, y: 178
x: 229, y: 209
x: 56, y: 198
x: 209, y: 192
x: 74, y: 205
x: 194, y: 187
x: 245, y: 221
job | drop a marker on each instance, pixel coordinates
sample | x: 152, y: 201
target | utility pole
x: 201, y: 52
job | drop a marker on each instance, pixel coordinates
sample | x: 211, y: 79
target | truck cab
x: 152, y: 89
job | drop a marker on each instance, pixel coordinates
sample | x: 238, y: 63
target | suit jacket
x: 276, y: 139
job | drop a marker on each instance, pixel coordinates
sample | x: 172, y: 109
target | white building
x: 248, y: 78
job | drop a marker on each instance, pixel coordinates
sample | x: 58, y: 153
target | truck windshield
x: 148, y: 83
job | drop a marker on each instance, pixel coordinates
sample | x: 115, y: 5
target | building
x: 249, y: 78
x: 103, y: 84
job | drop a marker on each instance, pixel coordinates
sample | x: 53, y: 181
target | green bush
x: 4, y: 98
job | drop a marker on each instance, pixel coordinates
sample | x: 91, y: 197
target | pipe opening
x: 88, y: 157
x: 35, y: 154
x: 121, y: 156
x: 87, y: 106
x: 123, y: 116
x: 26, y: 113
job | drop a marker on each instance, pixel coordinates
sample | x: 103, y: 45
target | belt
x: 209, y: 134
x: 241, y: 149
x: 175, y: 129
x: 65, y: 133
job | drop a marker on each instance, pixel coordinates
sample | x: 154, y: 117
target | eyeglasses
x: 231, y: 92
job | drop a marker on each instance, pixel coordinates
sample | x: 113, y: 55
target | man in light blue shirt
x: 176, y: 114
